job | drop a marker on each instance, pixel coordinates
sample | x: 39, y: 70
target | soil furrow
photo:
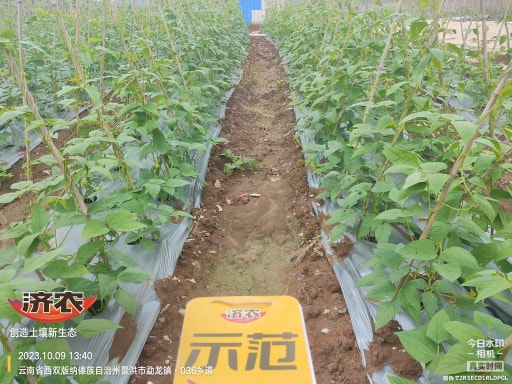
x: 256, y: 233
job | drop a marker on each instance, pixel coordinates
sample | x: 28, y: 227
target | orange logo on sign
x: 52, y: 307
x: 243, y: 315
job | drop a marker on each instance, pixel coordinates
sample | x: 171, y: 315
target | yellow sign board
x: 244, y: 340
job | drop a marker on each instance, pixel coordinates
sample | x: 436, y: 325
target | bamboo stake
x: 21, y: 60
x: 83, y: 80
x: 435, y: 24
x: 151, y: 56
x: 173, y: 47
x: 128, y: 54
x: 67, y: 40
x: 382, y: 62
x: 77, y: 23
x: 45, y: 134
x: 485, y: 54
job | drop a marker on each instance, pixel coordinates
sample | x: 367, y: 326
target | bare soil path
x: 265, y: 244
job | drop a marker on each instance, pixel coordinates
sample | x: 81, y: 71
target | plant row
x: 383, y: 94
x: 145, y: 81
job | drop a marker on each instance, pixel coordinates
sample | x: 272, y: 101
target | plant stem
x: 67, y: 40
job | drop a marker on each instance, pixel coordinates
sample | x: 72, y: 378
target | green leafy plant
x: 237, y: 162
x: 4, y: 173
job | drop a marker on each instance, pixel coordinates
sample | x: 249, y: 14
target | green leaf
x: 337, y: 231
x: 107, y: 285
x: 7, y: 311
x: 124, y: 222
x: 401, y: 156
x: 159, y: 142
x: 462, y: 257
x: 94, y: 228
x: 454, y: 361
x: 383, y: 232
x: 94, y: 94
x: 39, y: 219
x: 381, y: 290
x: 382, y: 186
x: 439, y: 231
x: 366, y: 225
x: 7, y: 255
x: 435, y: 327
x: 386, y: 311
x: 70, y: 219
x: 433, y: 167
x: 471, y: 230
x: 396, y: 274
x: 419, y: 69
x: 133, y: 275
x: 121, y: 258
x: 409, y: 299
x: 463, y: 331
x: 430, y: 303
x: 395, y: 87
x: 18, y: 230
x: 419, y: 250
x: 418, y: 344
x: 27, y: 245
x: 7, y: 275
x: 175, y: 183
x: 423, y: 115
x: 488, y: 283
x: 450, y: 271
x: 152, y: 189
x: 88, y: 250
x: 63, y: 270
x: 465, y: 129
x: 12, y: 114
x: 126, y: 301
x: 37, y: 261
x: 371, y: 279
x: 493, y: 323
x: 485, y: 206
x: 417, y: 25
x: 392, y: 215
x: 436, y: 182
x: 90, y: 327
x: 414, y: 178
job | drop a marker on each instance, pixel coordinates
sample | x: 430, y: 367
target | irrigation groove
x: 255, y: 232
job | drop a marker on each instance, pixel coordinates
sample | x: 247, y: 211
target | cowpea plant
x: 143, y: 84
x: 395, y: 153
